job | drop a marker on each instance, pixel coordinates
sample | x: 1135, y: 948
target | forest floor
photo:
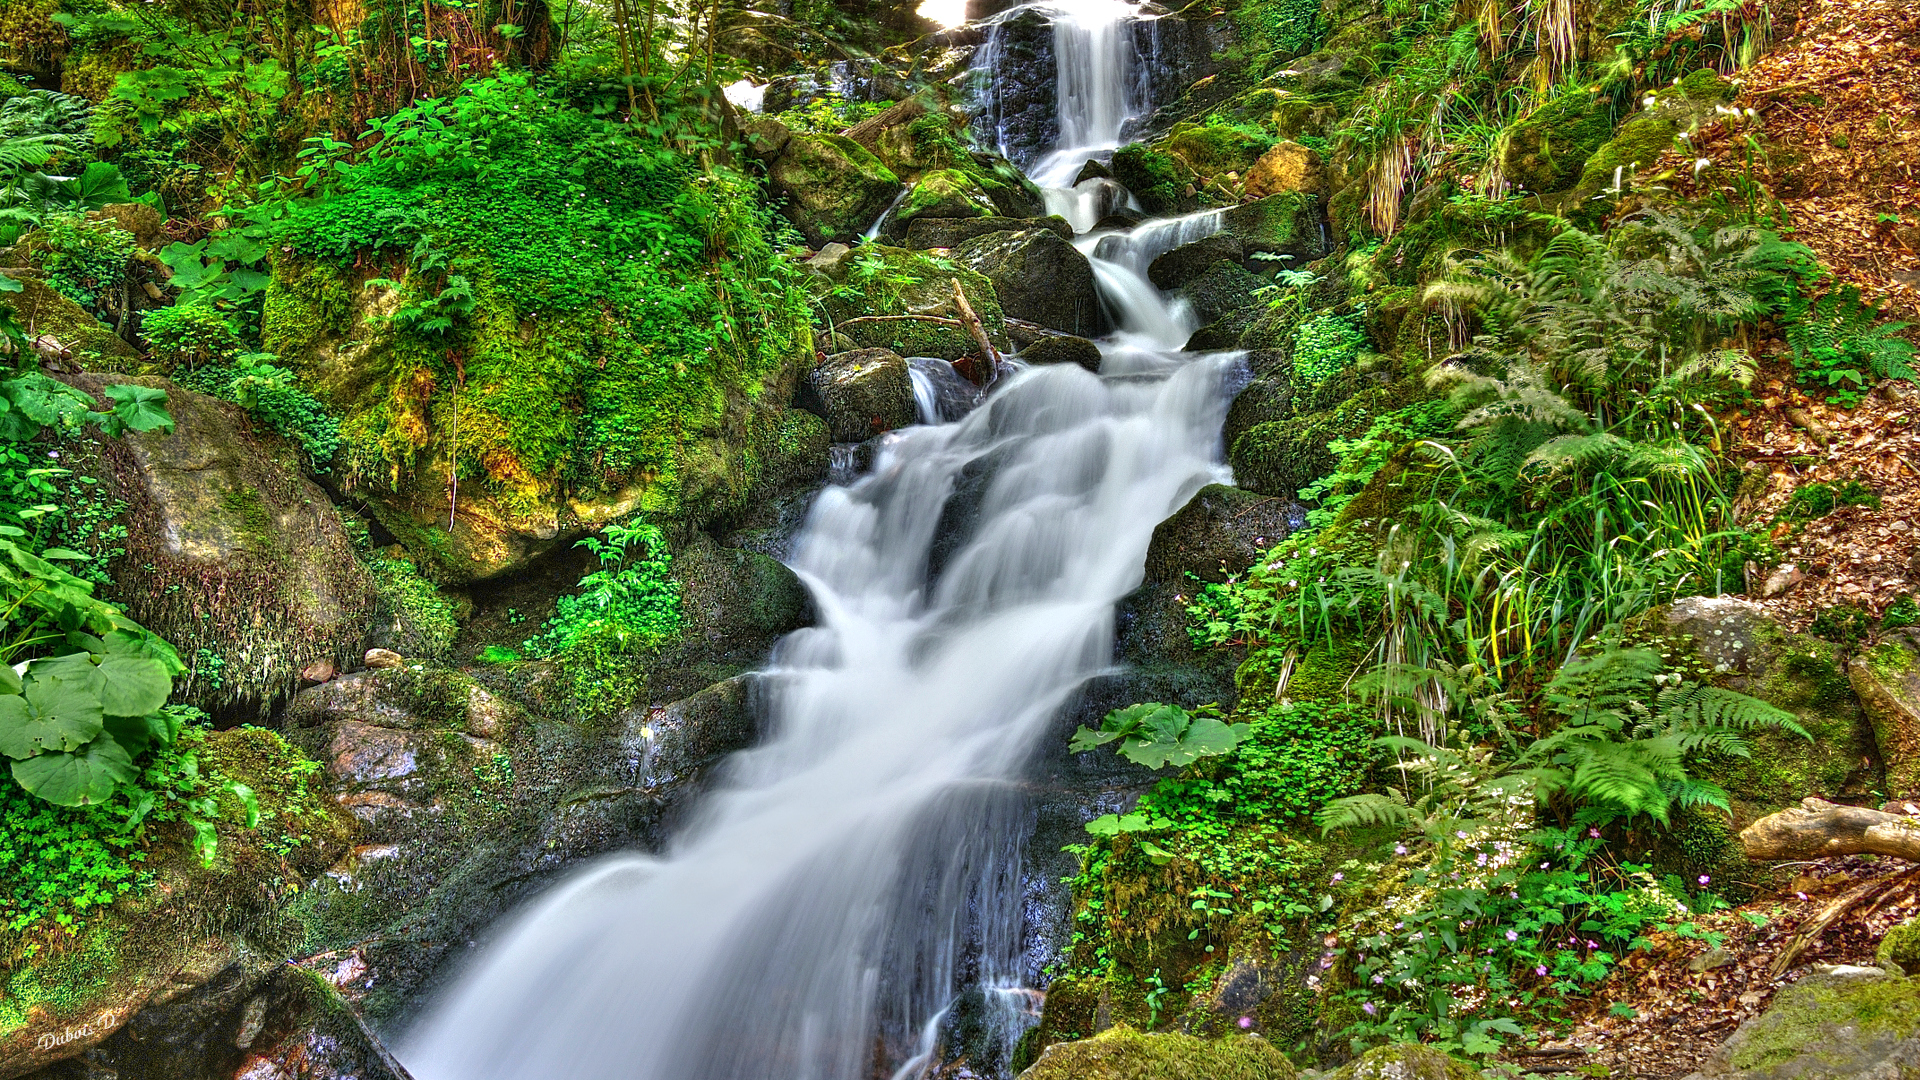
x: 1688, y: 993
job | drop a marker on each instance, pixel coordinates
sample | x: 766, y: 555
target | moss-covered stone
x: 1405, y: 1061
x: 1122, y: 1053
x: 1216, y: 535
x: 945, y: 193
x: 1210, y: 151
x: 1827, y: 1027
x: 834, y: 186
x: 1549, y: 149
x: 1038, y: 277
x: 1899, y: 948
x: 1640, y: 141
x: 44, y: 312
x: 1283, y: 224
x: 1886, y: 679
x: 1161, y: 183
x: 882, y: 280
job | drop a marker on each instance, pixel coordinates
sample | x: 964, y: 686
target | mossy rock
x: 1795, y: 672
x: 1218, y: 534
x: 1549, y: 150
x: 1063, y: 349
x: 1186, y: 263
x: 1640, y: 141
x: 1283, y: 224
x: 834, y: 186
x: 44, y: 312
x: 860, y: 394
x: 1405, y: 1061
x: 1212, y: 150
x: 1161, y: 183
x: 945, y: 193
x: 927, y: 232
x: 1842, y: 1026
x: 887, y: 280
x: 1226, y: 296
x: 1899, y: 948
x: 1121, y: 1053
x: 192, y: 923
x: 231, y: 553
x: 1038, y: 277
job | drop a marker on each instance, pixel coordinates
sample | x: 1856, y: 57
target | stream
x: 849, y: 877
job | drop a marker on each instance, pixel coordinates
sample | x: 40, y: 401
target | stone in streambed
x: 1121, y: 1053
x: 1287, y: 224
x: 1288, y: 167
x: 860, y: 394
x: 932, y: 232
x: 1226, y: 296
x: 1038, y: 276
x: 834, y: 186
x: 1220, y: 532
x: 1188, y: 262
x: 1063, y: 349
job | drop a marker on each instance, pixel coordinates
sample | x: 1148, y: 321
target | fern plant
x: 1839, y: 342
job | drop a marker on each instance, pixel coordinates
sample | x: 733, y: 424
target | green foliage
x: 1275, y: 30
x: 1362, y: 459
x: 85, y: 261
x: 1326, y: 345
x: 1157, y: 735
x: 189, y: 336
x: 1839, y: 344
x: 73, y: 723
x: 1904, y: 611
x: 628, y: 608
x: 273, y: 396
x: 830, y: 113
x: 1844, y: 624
x: 1810, y: 502
x: 425, y: 618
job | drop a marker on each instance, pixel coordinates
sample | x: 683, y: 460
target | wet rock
x: 941, y: 195
x: 730, y: 596
x: 1063, y: 349
x: 1226, y: 296
x: 831, y: 261
x: 1092, y: 170
x: 834, y: 186
x: 1121, y: 1053
x: 231, y: 550
x: 930, y: 232
x: 860, y: 393
x: 676, y: 741
x: 1856, y: 1024
x: 1023, y: 112
x: 1886, y: 679
x: 1287, y: 168
x: 1158, y: 180
x: 1219, y: 533
x: 1038, y: 277
x: 1188, y: 262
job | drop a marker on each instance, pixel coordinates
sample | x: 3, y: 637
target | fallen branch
x: 1817, y: 829
x: 979, y: 332
x: 1811, y: 931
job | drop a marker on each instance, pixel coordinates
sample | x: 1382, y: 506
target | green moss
x: 1213, y: 149
x: 64, y: 983
x: 1804, y: 1018
x: 246, y: 512
x: 1121, y: 1053
x: 897, y: 281
x: 1324, y: 673
x: 424, y: 620
x: 1899, y: 948
x: 1155, y: 178
x: 1406, y: 1061
x: 945, y: 193
x: 1548, y: 150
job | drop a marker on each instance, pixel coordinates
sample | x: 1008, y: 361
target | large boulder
x: 896, y: 281
x: 1285, y: 169
x: 1886, y: 679
x: 47, y: 315
x: 1121, y: 1053
x: 1038, y: 277
x: 230, y: 552
x: 834, y: 186
x: 1186, y: 263
x: 938, y: 232
x: 1226, y: 298
x: 941, y: 194
x: 860, y: 394
x: 1219, y: 533
x: 1847, y: 1024
x: 1799, y: 673
x: 1285, y: 224
x: 733, y: 597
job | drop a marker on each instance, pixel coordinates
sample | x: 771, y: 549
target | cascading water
x: 855, y: 880
x: 855, y: 869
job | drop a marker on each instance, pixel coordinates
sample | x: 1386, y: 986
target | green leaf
x: 248, y: 802
x: 1122, y: 721
x: 132, y: 685
x: 11, y: 284
x: 141, y: 408
x: 52, y: 715
x: 1087, y: 739
x: 1165, y: 724
x: 139, y: 733
x: 83, y: 778
x: 9, y: 680
x: 206, y: 842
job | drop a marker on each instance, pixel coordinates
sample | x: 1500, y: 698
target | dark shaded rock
x: 230, y: 549
x: 1188, y: 262
x: 1851, y: 1024
x: 1038, y: 276
x: 860, y: 393
x: 1022, y: 111
x: 924, y: 233
x: 910, y: 283
x: 765, y: 136
x: 1219, y: 533
x: 730, y: 596
x: 1063, y: 349
x: 1161, y: 183
x: 834, y: 186
x: 1092, y: 170
x: 1226, y: 294
x: 1119, y: 219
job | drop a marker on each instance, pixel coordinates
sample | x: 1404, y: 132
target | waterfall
x: 1100, y: 82
x: 850, y: 890
x: 851, y: 872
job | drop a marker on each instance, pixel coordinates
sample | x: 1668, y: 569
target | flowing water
x: 855, y: 878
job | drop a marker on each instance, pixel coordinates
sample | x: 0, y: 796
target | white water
x: 850, y: 876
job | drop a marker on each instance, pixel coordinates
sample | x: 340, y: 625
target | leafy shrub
x: 628, y: 608
x: 272, y: 395
x: 1904, y: 611
x: 1839, y: 343
x: 86, y: 261
x: 1810, y: 502
x: 830, y: 113
x: 1157, y: 735
x: 1326, y: 345
x: 189, y: 336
